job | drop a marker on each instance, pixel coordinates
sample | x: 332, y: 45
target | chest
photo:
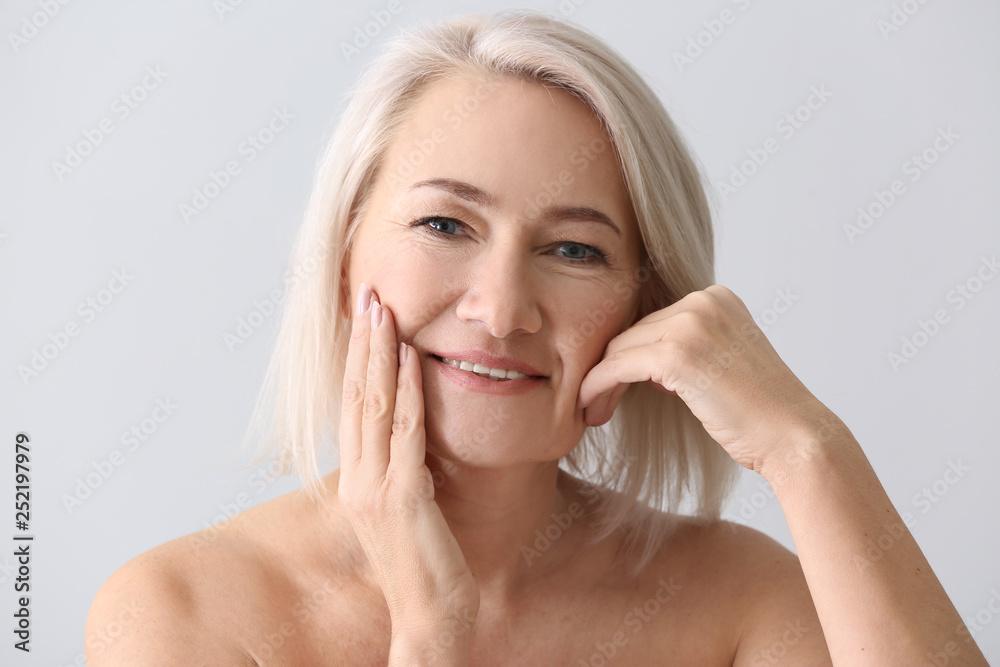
x: 665, y: 625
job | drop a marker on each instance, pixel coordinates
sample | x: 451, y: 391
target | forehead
x: 520, y: 141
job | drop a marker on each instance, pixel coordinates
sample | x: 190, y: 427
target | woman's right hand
x: 387, y: 492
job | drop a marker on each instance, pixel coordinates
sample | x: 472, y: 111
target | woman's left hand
x: 707, y: 349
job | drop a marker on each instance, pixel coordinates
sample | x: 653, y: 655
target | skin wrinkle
x: 498, y: 282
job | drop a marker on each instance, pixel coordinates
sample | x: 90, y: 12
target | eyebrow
x: 471, y: 193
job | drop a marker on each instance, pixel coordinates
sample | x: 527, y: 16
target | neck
x: 513, y: 524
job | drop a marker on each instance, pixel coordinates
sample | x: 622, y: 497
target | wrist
x: 438, y: 643
x: 407, y: 653
x: 806, y: 446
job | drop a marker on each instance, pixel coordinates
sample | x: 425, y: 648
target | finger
x: 608, y: 403
x: 659, y: 387
x: 651, y: 327
x: 632, y: 365
x: 593, y: 414
x: 648, y: 332
x: 643, y: 334
x: 380, y: 391
x: 355, y: 374
x: 602, y: 409
x: 408, y: 442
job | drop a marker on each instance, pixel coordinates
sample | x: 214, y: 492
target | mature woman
x: 508, y: 244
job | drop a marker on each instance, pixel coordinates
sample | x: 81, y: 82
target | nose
x: 501, y: 295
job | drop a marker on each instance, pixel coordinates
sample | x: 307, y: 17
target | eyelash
x: 598, y: 255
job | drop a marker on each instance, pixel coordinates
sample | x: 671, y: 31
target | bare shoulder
x: 747, y: 554
x: 156, y: 610
x: 197, y: 599
x: 763, y: 586
x: 739, y: 592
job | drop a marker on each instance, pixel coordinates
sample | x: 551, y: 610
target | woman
x: 508, y: 243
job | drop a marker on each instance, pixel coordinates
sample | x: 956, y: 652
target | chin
x: 470, y: 443
x: 483, y: 443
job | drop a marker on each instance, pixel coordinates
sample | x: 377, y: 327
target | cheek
x: 398, y: 275
x: 591, y: 326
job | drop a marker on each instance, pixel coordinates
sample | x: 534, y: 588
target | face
x: 484, y: 234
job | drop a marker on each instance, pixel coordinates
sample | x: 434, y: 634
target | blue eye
x: 436, y: 219
x: 597, y: 255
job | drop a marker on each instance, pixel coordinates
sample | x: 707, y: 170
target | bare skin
x: 389, y: 572
x: 268, y: 589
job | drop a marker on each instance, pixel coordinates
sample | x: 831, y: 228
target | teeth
x: 498, y: 374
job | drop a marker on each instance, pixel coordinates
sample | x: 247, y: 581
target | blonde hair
x: 654, y: 453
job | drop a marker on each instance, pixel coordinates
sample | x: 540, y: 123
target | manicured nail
x: 364, y: 298
x: 402, y: 353
x: 376, y: 315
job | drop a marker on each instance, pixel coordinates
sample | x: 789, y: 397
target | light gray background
x: 163, y: 335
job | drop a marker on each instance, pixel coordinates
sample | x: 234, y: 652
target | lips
x: 483, y: 359
x: 478, y: 384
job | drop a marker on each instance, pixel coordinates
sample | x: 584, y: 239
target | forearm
x: 877, y: 598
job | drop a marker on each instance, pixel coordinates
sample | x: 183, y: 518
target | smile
x: 497, y: 374
x: 483, y: 381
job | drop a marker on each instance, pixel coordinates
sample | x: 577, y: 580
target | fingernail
x: 402, y: 353
x: 364, y: 298
x: 376, y: 315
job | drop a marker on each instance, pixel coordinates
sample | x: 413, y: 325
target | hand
x: 706, y: 349
x: 387, y: 490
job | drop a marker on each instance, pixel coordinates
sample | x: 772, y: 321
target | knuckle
x: 403, y: 422
x: 378, y: 359
x: 701, y: 298
x: 692, y: 322
x: 354, y: 394
x: 728, y: 295
x: 709, y: 304
x: 719, y: 291
x: 729, y: 300
x: 375, y: 406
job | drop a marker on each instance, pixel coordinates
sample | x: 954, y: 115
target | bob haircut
x: 653, y: 454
